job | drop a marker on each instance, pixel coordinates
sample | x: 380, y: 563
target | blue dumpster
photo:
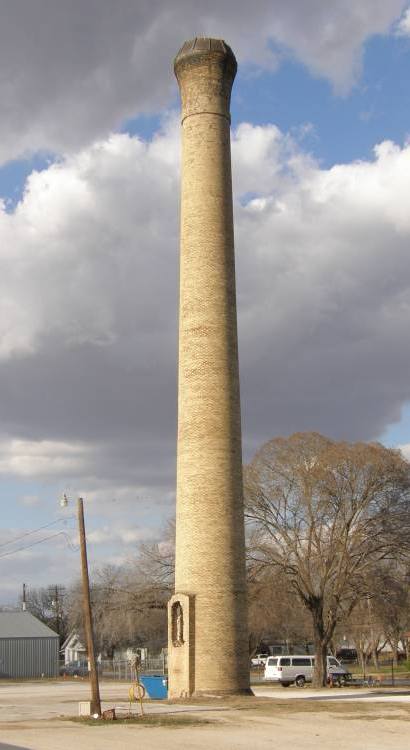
x: 156, y: 686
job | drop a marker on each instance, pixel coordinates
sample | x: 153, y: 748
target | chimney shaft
x: 210, y: 599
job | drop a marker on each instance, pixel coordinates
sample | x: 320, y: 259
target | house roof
x: 23, y: 625
x: 73, y: 641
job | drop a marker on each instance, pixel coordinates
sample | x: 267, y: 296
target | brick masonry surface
x: 210, y: 556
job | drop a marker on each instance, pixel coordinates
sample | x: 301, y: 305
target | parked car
x: 259, y: 660
x: 74, y: 669
x: 298, y: 669
x: 347, y: 655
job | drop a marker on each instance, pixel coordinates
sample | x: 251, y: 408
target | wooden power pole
x: 88, y: 621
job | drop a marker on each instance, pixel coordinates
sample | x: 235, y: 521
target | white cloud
x: 89, y: 288
x: 30, y: 501
x: 71, y: 72
x: 37, y: 570
x: 67, y: 243
x: 327, y: 293
x: 89, y: 258
x: 127, y: 536
x: 403, y: 26
x: 405, y: 449
x: 45, y: 458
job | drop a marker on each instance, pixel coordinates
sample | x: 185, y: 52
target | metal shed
x: 28, y: 648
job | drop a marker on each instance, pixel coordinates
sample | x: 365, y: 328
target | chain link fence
x: 124, y: 669
x: 118, y: 669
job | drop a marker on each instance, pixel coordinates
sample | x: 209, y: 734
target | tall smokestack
x: 208, y: 629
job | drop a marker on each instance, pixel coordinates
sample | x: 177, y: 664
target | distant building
x: 28, y: 648
x: 131, y: 654
x: 73, y: 649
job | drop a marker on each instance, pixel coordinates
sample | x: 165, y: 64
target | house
x: 28, y: 648
x: 73, y: 649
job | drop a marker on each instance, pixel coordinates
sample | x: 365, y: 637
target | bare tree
x: 130, y: 601
x: 327, y: 511
x: 393, y: 606
x: 156, y: 561
x: 128, y: 609
x: 382, y: 618
x: 365, y: 629
x: 275, y: 612
x: 49, y: 604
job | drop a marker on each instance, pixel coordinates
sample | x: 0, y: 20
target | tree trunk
x: 395, y: 649
x: 375, y: 656
x: 320, y: 672
x: 362, y: 656
x: 321, y: 644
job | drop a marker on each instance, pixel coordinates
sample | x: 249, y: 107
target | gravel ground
x: 30, y: 719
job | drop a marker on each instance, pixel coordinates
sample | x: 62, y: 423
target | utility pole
x: 24, y: 605
x: 55, y: 603
x: 88, y: 623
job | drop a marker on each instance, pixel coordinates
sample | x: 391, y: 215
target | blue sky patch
x: 13, y: 176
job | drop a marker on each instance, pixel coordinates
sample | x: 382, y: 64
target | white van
x: 298, y: 668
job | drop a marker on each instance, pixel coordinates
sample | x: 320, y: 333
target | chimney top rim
x: 202, y: 47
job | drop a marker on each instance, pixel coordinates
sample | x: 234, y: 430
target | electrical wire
x: 73, y: 547
x: 34, y: 531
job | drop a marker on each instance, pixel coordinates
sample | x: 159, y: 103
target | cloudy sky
x: 89, y: 183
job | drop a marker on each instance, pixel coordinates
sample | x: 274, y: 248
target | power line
x: 34, y: 531
x: 41, y: 541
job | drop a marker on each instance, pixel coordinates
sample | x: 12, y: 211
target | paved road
x: 396, y: 695
x: 28, y: 712
x: 27, y: 701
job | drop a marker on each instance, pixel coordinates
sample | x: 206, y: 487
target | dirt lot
x: 34, y: 716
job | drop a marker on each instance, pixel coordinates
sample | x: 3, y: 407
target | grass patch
x: 170, y: 721
x: 324, y: 704
x: 402, y: 669
x: 353, y: 710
